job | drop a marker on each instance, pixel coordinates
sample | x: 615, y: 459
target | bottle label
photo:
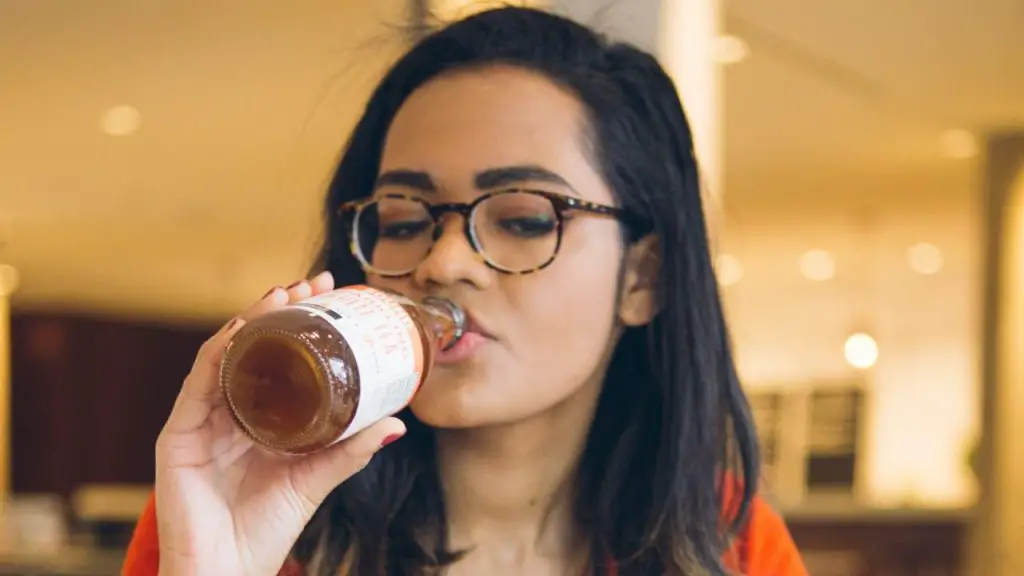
x: 385, y: 342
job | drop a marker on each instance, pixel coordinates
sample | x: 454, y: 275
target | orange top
x: 765, y: 550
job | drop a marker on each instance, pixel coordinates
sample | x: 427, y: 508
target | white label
x: 386, y: 345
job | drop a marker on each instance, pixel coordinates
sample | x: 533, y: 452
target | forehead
x: 460, y: 124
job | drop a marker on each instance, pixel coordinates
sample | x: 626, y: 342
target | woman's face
x: 546, y: 334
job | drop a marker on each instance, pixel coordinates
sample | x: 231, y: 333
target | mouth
x: 473, y: 339
x: 474, y: 327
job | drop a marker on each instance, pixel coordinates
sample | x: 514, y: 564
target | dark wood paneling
x: 89, y: 397
x: 871, y: 547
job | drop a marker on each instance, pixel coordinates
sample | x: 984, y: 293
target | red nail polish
x: 271, y: 291
x: 390, y: 439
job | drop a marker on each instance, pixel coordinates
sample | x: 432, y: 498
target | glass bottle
x: 303, y: 377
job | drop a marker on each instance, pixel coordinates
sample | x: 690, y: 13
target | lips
x: 473, y: 339
x: 472, y: 326
x: 464, y: 349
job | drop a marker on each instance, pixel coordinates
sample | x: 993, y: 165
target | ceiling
x: 244, y: 106
x: 853, y: 97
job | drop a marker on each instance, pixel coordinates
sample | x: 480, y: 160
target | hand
x: 225, y: 505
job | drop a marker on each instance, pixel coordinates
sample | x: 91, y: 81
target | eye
x: 529, y: 226
x: 406, y: 229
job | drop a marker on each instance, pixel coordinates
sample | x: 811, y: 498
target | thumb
x: 315, y: 476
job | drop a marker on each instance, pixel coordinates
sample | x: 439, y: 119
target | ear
x: 639, y: 300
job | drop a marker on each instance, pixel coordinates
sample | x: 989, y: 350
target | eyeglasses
x: 513, y: 231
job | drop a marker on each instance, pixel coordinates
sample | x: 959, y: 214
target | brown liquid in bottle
x: 293, y: 380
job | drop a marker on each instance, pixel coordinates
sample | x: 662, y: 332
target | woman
x: 544, y: 179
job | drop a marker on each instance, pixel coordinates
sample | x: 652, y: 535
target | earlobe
x: 639, y: 301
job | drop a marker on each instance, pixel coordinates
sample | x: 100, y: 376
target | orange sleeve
x: 770, y: 550
x: 143, y: 554
x: 767, y: 548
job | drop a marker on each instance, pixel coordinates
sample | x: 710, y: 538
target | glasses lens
x: 393, y: 235
x: 516, y: 231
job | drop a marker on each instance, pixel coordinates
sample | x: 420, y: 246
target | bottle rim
x: 236, y: 348
x: 458, y: 317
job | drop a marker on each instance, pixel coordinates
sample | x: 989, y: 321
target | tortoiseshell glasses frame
x: 562, y: 206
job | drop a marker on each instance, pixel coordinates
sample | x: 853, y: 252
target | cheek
x: 566, y: 314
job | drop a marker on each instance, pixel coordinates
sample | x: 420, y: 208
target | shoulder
x: 765, y: 547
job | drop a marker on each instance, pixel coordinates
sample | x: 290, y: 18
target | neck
x: 513, y: 485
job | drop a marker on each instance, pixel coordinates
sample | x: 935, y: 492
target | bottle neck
x: 445, y: 321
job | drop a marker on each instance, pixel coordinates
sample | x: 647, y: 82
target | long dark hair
x: 671, y: 461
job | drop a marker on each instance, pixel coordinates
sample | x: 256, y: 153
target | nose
x: 452, y: 259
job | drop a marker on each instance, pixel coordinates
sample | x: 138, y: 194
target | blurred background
x: 162, y: 164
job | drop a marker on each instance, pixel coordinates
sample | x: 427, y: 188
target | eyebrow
x: 500, y: 177
x: 414, y: 179
x: 512, y: 175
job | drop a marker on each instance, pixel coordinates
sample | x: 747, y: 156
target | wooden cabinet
x: 881, y: 543
x: 89, y: 396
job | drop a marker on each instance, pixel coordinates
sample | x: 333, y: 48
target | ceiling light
x: 817, y: 265
x: 925, y: 258
x: 729, y: 269
x: 121, y: 121
x: 861, y: 350
x: 730, y: 49
x: 959, y: 144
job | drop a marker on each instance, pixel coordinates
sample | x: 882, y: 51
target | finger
x: 299, y: 291
x: 315, y: 476
x: 212, y: 350
x: 322, y: 282
x: 200, y: 392
x: 275, y: 298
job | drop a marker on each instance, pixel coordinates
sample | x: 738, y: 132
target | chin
x: 439, y: 405
x: 447, y: 421
x: 457, y: 400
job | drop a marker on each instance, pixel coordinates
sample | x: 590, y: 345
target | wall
x: 89, y: 396
x: 922, y: 406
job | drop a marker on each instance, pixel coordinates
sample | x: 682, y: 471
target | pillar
x: 997, y: 534
x: 8, y: 285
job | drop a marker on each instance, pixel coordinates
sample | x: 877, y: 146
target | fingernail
x: 271, y: 291
x: 390, y: 439
x: 294, y: 284
x: 231, y: 325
